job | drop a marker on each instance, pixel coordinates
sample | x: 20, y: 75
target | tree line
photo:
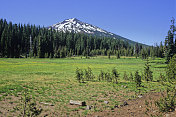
x: 21, y: 40
x: 17, y: 40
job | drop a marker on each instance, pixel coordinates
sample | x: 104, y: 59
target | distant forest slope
x: 18, y: 40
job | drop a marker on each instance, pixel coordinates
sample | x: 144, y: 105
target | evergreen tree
x: 117, y: 54
x: 161, y: 50
x: 171, y: 70
x: 125, y: 76
x: 41, y: 53
x: 147, y: 72
x: 136, y: 50
x: 137, y: 79
x: 131, y: 77
x: 109, y: 54
x: 169, y: 42
x: 15, y: 42
x: 115, y: 75
x: 4, y: 42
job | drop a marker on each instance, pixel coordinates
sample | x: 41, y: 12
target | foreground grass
x: 53, y: 81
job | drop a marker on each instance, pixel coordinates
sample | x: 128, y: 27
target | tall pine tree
x: 169, y: 42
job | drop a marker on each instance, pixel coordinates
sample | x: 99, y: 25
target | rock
x: 154, y: 111
x: 116, y: 106
x: 125, y: 103
x: 124, y: 86
x: 47, y: 104
x: 167, y: 115
x: 121, y: 105
x: 140, y: 96
x: 96, y: 116
x: 106, y: 102
x: 88, y: 107
x: 81, y: 103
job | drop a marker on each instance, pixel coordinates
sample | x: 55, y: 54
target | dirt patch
x: 136, y: 108
x: 133, y: 108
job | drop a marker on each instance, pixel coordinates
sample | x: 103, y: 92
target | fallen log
x: 80, y: 103
x: 47, y: 104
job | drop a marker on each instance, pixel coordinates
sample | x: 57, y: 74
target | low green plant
x: 28, y: 107
x: 162, y: 78
x: 171, y: 70
x: 101, y: 76
x: 148, y: 76
x: 125, y: 76
x: 131, y: 77
x: 167, y: 103
x: 89, y: 74
x: 137, y: 79
x: 115, y: 75
x: 79, y: 75
x: 108, y: 77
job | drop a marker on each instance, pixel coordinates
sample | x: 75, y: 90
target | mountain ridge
x: 77, y: 26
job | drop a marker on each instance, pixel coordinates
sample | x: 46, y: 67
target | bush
x: 131, y: 77
x: 108, y: 77
x: 147, y: 72
x: 79, y: 75
x: 115, y: 75
x: 162, y: 78
x: 125, y: 76
x: 101, y: 76
x: 171, y: 70
x: 28, y: 107
x: 168, y: 103
x: 137, y: 79
x: 89, y: 74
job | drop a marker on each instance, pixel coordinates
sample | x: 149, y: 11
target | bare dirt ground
x: 135, y: 108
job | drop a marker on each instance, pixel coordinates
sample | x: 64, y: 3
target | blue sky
x: 144, y: 21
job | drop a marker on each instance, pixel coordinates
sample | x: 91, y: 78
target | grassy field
x: 53, y: 81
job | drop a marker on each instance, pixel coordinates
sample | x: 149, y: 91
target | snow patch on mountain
x: 76, y: 26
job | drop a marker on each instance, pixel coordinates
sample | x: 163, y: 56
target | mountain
x: 77, y: 26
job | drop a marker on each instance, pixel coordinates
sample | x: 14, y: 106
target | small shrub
x: 125, y: 76
x: 131, y: 77
x: 79, y: 75
x: 89, y: 74
x: 108, y: 77
x: 115, y: 75
x: 171, y: 70
x: 162, y: 78
x: 137, y: 79
x: 167, y: 103
x: 28, y: 107
x: 148, y: 76
x: 101, y: 76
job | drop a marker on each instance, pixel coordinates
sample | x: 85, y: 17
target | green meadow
x: 53, y: 81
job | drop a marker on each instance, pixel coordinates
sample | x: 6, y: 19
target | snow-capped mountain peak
x: 76, y: 26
